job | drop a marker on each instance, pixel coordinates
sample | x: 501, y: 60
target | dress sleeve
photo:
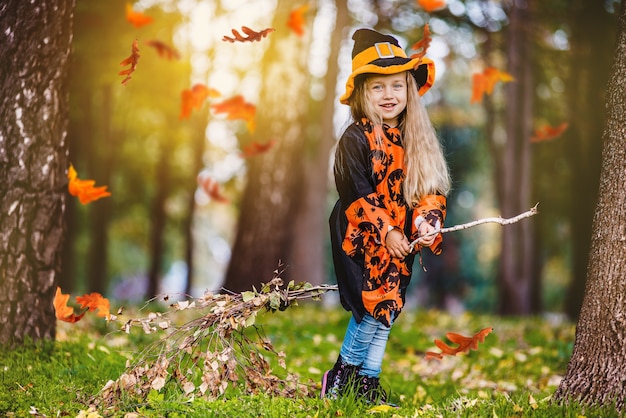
x: 365, y: 211
x: 431, y: 209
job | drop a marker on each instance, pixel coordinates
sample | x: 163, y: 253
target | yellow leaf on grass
x: 380, y: 408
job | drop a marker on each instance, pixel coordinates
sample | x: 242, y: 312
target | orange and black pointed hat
x: 376, y: 53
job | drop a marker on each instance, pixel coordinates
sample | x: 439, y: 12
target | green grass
x: 513, y: 373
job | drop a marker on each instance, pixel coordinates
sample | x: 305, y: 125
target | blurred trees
x: 36, y: 39
x: 131, y: 139
x: 267, y: 213
x: 596, y: 371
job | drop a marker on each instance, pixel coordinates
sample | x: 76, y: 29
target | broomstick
x: 221, y: 343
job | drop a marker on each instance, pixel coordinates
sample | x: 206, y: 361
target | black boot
x: 372, y: 391
x: 338, y: 379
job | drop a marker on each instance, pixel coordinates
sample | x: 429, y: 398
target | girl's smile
x: 387, y: 94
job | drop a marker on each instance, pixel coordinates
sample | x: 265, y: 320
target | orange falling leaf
x: 193, y: 99
x: 62, y: 311
x: 431, y: 5
x: 137, y: 19
x: 164, y: 50
x: 547, y: 132
x: 484, y: 83
x: 95, y: 301
x: 211, y: 187
x: 465, y: 344
x: 251, y: 35
x: 84, y: 189
x: 256, y: 148
x: 296, y: 20
x: 237, y: 108
x: 422, y: 45
x: 132, y: 60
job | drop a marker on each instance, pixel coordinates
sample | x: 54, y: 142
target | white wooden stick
x: 498, y: 220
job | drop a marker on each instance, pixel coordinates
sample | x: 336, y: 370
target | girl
x: 392, y: 179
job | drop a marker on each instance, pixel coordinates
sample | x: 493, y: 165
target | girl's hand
x: 424, y: 229
x: 397, y: 243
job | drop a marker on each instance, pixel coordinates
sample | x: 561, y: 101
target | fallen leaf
x: 256, y: 148
x: 251, y: 35
x: 211, y: 187
x: 62, y: 311
x: 484, y: 83
x: 137, y: 19
x: 193, y: 99
x: 84, y: 189
x: 547, y: 132
x: 131, y: 60
x: 422, y: 45
x: 164, y: 50
x: 296, y: 21
x: 431, y: 5
x: 95, y: 301
x: 464, y: 344
x: 237, y: 108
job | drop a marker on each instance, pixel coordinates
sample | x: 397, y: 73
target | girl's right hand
x: 397, y: 243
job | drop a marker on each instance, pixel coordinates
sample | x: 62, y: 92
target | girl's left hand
x: 424, y: 229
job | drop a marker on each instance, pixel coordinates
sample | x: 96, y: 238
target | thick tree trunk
x: 586, y: 85
x: 274, y: 178
x: 35, y: 38
x: 515, y: 275
x: 308, y: 253
x: 597, y: 369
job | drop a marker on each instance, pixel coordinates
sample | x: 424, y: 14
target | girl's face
x: 387, y: 94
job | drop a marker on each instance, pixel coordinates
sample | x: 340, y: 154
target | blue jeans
x: 364, y: 345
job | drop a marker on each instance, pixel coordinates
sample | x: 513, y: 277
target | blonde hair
x: 426, y: 170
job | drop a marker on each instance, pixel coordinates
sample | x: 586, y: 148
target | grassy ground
x: 513, y: 373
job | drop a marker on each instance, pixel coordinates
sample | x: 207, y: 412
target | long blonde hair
x: 426, y: 170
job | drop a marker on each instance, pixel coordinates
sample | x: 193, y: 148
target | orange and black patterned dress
x: 369, y: 175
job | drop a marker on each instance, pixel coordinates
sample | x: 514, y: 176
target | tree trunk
x: 274, y: 178
x: 198, y: 140
x: 308, y: 253
x: 100, y: 213
x: 159, y: 219
x: 597, y: 369
x: 36, y: 38
x: 591, y: 65
x: 515, y: 275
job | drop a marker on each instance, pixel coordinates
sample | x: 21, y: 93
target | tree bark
x: 36, y: 38
x: 597, y: 369
x: 515, y: 274
x: 270, y: 196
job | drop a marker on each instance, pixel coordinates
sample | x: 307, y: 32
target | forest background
x: 159, y: 232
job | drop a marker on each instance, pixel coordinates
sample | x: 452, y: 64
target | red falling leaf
x: 211, y: 187
x: 465, y: 344
x: 256, y: 148
x: 193, y: 99
x: 484, y: 83
x: 84, y: 189
x: 132, y: 61
x: 251, y: 35
x: 138, y: 19
x: 164, y: 50
x: 62, y: 311
x: 95, y: 301
x: 237, y: 108
x: 431, y: 5
x: 296, y: 20
x: 547, y: 132
x: 422, y: 45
